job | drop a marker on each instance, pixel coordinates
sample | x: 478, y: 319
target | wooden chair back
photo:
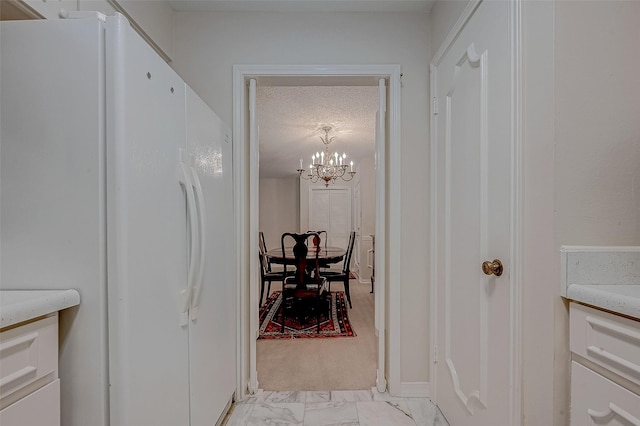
x: 346, y: 266
x: 304, y: 273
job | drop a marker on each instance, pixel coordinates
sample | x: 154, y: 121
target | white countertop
x: 622, y: 299
x: 605, y: 277
x: 23, y: 305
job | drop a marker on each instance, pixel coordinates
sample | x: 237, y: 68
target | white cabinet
x: 596, y: 400
x: 330, y: 210
x: 605, y: 373
x: 41, y: 408
x: 29, y: 384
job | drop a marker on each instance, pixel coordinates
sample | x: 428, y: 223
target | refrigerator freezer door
x: 212, y: 330
x: 147, y: 234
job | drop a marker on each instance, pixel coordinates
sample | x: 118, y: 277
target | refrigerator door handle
x: 185, y: 294
x: 197, y: 286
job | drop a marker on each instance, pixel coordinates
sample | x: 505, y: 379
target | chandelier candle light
x: 327, y: 167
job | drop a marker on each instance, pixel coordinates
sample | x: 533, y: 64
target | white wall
x: 207, y: 45
x: 154, y: 17
x: 597, y: 103
x: 597, y: 135
x: 543, y: 403
x: 444, y: 15
x: 581, y: 137
x: 279, y: 208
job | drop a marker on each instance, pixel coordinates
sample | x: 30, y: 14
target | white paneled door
x: 330, y: 210
x: 472, y: 89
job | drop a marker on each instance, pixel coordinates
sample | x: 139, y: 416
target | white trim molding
x: 415, y: 390
x: 517, y: 212
x: 388, y: 217
x: 364, y: 263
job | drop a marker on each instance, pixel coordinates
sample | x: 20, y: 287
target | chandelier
x: 327, y: 167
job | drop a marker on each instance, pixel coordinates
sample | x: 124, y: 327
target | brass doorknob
x: 492, y: 268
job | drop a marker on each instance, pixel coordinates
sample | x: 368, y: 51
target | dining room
x: 300, y: 123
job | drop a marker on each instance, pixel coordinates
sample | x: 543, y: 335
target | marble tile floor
x: 317, y: 408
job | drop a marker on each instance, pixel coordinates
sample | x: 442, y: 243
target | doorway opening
x: 291, y: 122
x: 387, y: 255
x: 246, y: 162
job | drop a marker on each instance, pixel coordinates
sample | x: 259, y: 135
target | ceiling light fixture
x: 327, y: 167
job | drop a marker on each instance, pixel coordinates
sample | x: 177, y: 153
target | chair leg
x: 318, y: 312
x: 283, y: 307
x: 262, y: 292
x: 346, y: 290
x: 268, y: 290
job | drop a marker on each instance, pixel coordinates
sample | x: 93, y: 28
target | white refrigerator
x: 116, y: 180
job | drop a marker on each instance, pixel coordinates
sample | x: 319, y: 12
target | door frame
x: 245, y: 160
x: 516, y: 208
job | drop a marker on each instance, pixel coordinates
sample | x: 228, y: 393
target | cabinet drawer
x: 611, y: 341
x: 28, y: 358
x: 598, y: 401
x: 41, y: 408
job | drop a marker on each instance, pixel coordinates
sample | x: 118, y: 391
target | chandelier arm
x: 323, y: 167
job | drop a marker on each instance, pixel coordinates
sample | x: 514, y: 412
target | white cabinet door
x: 608, y: 340
x: 330, y: 210
x: 41, y: 408
x: 28, y: 358
x: 596, y: 400
x: 319, y: 209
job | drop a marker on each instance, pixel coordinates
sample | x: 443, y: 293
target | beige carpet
x: 342, y: 363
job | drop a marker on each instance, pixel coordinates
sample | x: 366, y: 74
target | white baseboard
x: 225, y: 413
x: 415, y: 390
x: 363, y: 280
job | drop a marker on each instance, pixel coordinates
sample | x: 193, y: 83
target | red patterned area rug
x: 335, y: 325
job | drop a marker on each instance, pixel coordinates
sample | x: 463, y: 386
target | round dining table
x: 326, y: 255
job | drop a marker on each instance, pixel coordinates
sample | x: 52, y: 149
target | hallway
x: 317, y: 408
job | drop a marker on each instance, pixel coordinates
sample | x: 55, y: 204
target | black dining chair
x: 268, y: 273
x: 261, y: 243
x: 263, y: 249
x: 320, y: 234
x: 306, y: 288
x: 344, y: 274
x: 267, y: 276
x: 270, y: 266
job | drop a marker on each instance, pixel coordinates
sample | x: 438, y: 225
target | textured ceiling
x: 290, y: 121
